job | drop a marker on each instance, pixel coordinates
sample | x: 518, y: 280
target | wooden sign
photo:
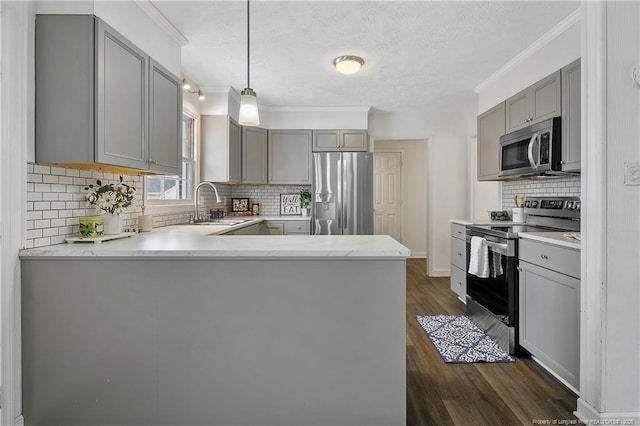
x: 290, y: 204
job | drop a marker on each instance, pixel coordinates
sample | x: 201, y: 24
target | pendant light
x: 248, y: 102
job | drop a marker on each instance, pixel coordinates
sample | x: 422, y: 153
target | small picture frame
x: 239, y: 205
x: 290, y: 204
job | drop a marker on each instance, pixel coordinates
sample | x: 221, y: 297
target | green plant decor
x: 305, y: 198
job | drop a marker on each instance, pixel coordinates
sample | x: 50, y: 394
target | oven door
x: 498, y: 293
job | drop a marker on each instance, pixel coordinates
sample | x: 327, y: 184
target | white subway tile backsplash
x: 56, y: 198
x: 559, y: 186
x: 40, y: 169
x: 49, y: 179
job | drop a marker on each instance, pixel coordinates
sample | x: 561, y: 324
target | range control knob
x: 534, y: 204
x: 570, y: 205
x: 527, y: 203
x: 577, y: 205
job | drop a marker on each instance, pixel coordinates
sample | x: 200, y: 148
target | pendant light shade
x: 249, y: 115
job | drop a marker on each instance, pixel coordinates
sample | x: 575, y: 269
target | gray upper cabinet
x: 221, y: 149
x: 121, y: 100
x: 571, y: 117
x: 290, y: 157
x: 254, y: 155
x: 536, y: 103
x: 491, y: 125
x: 94, y: 98
x: 339, y: 140
x: 165, y: 120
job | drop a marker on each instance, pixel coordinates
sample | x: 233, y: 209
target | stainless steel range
x: 492, y: 302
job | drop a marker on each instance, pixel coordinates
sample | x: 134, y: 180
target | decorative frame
x: 290, y: 204
x: 240, y: 205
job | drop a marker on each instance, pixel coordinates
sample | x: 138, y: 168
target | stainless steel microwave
x: 533, y: 150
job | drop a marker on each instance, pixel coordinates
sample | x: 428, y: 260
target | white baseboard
x: 440, y: 273
x: 586, y: 414
x: 18, y: 421
x: 418, y: 255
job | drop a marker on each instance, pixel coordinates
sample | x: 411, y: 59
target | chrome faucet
x: 196, y: 213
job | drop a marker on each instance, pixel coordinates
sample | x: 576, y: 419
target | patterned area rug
x: 458, y: 340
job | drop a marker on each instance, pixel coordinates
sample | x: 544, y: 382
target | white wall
x: 446, y: 165
x: 414, y: 191
x: 131, y: 21
x: 318, y: 118
x: 559, y: 47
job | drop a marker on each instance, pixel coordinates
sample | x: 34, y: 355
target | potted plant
x: 305, y: 202
x: 112, y: 200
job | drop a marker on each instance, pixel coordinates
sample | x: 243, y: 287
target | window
x: 176, y: 188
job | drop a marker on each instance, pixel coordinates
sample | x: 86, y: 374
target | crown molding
x: 551, y: 35
x: 162, y: 21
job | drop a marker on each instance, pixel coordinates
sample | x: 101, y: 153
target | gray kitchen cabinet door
x: 491, y: 125
x: 254, y: 155
x: 274, y: 228
x: 571, y: 117
x: 235, y: 152
x: 517, y: 111
x: 538, y: 102
x: 64, y: 114
x: 353, y: 140
x: 122, y: 76
x: 550, y: 319
x: 326, y: 140
x: 165, y: 120
x: 290, y: 157
x: 221, y: 149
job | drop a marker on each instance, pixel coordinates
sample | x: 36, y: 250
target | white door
x: 387, y: 201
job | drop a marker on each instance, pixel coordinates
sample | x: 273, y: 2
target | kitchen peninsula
x: 183, y: 328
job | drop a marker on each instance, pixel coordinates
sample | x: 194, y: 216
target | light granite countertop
x: 555, y: 238
x: 482, y: 221
x: 180, y: 243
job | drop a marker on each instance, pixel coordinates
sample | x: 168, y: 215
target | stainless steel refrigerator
x: 342, y: 193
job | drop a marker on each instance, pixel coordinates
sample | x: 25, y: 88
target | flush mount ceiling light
x: 249, y: 115
x: 348, y: 64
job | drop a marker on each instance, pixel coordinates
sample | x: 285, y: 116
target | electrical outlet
x: 632, y: 174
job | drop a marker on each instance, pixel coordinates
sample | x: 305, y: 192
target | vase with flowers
x: 112, y: 200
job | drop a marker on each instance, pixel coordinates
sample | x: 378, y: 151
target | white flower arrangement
x: 110, y: 198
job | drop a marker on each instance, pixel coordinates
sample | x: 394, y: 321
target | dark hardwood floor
x: 470, y: 394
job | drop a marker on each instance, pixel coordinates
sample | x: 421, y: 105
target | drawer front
x: 298, y: 227
x: 459, y: 282
x: 459, y: 253
x: 458, y: 231
x: 556, y: 258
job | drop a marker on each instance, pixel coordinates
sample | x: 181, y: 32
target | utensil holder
x: 518, y: 215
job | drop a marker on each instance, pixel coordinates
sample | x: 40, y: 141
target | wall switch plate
x: 632, y: 174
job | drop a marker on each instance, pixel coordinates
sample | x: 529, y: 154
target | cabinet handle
x: 544, y: 256
x: 459, y: 232
x: 153, y: 162
x: 459, y: 254
x: 299, y: 227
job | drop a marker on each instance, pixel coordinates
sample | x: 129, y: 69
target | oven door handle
x: 502, y: 248
x: 530, y: 151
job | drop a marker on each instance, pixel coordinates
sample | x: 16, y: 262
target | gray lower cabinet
x: 459, y: 260
x: 538, y: 102
x: 221, y: 149
x: 290, y: 157
x: 571, y: 96
x: 255, y: 229
x: 339, y: 140
x: 254, y: 155
x: 491, y: 126
x: 288, y: 227
x: 100, y: 99
x: 549, y: 303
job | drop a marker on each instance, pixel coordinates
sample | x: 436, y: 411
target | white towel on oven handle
x: 479, y: 258
x: 496, y: 264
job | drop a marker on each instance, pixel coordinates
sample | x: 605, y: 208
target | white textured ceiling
x: 421, y: 56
